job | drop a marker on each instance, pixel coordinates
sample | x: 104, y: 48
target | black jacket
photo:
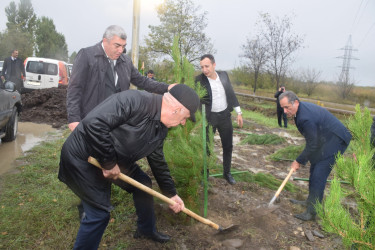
x: 277, y: 94
x: 229, y: 92
x: 86, y: 87
x: 123, y: 129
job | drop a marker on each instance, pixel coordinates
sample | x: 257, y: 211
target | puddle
x: 29, y: 135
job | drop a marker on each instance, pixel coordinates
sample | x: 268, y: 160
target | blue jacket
x: 318, y: 126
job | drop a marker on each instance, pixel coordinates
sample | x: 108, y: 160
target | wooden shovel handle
x: 281, y: 187
x: 284, y: 182
x: 162, y: 197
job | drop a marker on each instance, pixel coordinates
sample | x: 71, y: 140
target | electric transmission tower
x: 347, y: 57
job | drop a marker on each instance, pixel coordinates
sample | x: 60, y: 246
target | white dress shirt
x: 219, y: 98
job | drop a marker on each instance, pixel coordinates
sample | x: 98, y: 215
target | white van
x: 44, y: 73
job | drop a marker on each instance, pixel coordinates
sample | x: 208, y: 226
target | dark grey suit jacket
x: 7, y: 68
x: 87, y: 85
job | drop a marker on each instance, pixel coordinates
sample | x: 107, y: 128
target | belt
x: 221, y: 112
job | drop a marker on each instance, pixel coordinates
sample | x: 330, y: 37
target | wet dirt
x: 29, y: 134
x: 45, y: 106
x: 241, y: 204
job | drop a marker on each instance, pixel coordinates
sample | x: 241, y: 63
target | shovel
x: 164, y: 198
x: 281, y: 187
x: 263, y: 210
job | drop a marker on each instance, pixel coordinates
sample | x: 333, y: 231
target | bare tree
x: 255, y: 50
x: 345, y: 85
x: 310, y: 78
x: 180, y: 18
x: 282, y: 43
x: 294, y: 82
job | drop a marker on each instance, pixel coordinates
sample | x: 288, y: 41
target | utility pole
x: 135, y: 35
x: 347, y: 57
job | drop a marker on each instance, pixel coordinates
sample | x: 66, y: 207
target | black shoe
x: 155, y: 236
x: 303, y: 203
x: 305, y: 216
x: 229, y: 179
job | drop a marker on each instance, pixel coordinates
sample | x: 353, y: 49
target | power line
x: 355, y: 18
x: 364, y: 38
x: 355, y: 24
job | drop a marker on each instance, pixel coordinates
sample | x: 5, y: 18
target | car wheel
x: 12, y: 127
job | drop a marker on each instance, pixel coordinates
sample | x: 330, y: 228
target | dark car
x: 10, y: 109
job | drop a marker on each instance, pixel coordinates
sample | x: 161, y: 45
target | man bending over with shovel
x: 325, y: 136
x: 121, y: 130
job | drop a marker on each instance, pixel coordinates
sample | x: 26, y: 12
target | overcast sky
x: 326, y: 25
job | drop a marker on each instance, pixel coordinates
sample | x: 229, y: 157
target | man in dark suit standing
x: 325, y: 136
x: 220, y: 101
x: 13, y: 70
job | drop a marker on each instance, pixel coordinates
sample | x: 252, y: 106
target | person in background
x: 14, y: 71
x: 220, y: 101
x: 325, y: 136
x: 151, y: 74
x: 100, y: 71
x: 279, y: 110
x: 123, y: 129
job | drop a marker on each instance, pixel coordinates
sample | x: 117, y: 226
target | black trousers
x: 222, y: 122
x: 143, y: 202
x: 280, y: 113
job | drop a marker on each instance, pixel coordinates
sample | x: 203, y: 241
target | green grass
x: 261, y: 179
x: 260, y: 119
x: 289, y: 153
x: 263, y: 120
x: 36, y: 208
x: 254, y: 139
x: 38, y: 211
x: 265, y: 180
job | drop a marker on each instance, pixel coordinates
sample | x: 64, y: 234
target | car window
x: 41, y: 68
x: 1, y: 63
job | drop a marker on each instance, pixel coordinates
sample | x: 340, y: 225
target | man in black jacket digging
x: 121, y: 130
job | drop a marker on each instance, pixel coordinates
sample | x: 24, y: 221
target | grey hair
x: 114, y: 30
x: 290, y: 95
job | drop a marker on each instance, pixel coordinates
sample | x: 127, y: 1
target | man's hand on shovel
x: 113, y: 173
x: 178, y: 206
x: 295, y: 166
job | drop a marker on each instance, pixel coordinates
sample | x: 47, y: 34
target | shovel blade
x: 224, y: 230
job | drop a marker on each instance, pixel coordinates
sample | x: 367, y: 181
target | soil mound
x: 45, y: 106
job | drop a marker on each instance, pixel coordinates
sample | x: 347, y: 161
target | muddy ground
x: 243, y: 204
x: 45, y: 106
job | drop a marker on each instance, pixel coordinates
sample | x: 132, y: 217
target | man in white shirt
x: 220, y: 101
